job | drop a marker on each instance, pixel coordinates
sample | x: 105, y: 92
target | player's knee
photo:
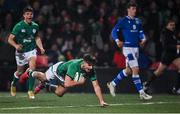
x: 19, y: 72
x: 59, y: 93
x: 135, y: 70
x: 128, y: 71
x: 35, y: 74
x: 32, y: 67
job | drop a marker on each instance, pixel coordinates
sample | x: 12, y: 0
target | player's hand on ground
x: 103, y: 104
x: 18, y: 47
x: 42, y: 50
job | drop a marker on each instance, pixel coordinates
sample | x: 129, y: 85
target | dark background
x: 70, y: 28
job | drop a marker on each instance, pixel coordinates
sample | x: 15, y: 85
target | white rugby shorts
x: 51, y: 72
x: 131, y: 54
x: 23, y: 58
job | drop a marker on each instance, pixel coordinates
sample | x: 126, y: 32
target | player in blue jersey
x: 133, y: 37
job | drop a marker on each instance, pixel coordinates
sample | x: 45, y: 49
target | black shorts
x: 167, y: 58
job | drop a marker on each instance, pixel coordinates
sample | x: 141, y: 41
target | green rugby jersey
x: 73, y: 67
x: 25, y: 35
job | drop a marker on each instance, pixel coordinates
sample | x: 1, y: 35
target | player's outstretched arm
x: 13, y: 43
x: 98, y: 92
x: 70, y: 83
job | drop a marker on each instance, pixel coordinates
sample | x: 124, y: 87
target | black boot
x: 177, y: 86
x: 147, y: 84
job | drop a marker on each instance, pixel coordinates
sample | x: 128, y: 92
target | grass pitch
x: 87, y: 103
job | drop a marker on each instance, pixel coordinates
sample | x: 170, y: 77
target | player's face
x: 28, y: 17
x: 87, y: 67
x: 171, y: 26
x: 132, y: 11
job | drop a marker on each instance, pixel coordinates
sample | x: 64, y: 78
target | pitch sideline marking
x: 71, y: 106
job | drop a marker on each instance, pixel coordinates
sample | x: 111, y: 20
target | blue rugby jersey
x: 131, y: 29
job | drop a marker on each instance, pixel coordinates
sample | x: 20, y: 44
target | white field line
x: 19, y: 96
x: 72, y: 106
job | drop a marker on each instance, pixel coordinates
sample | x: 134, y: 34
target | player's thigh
x: 20, y: 59
x: 40, y: 76
x: 31, y: 56
x: 131, y: 55
x: 176, y: 62
x: 60, y: 90
x: 32, y: 62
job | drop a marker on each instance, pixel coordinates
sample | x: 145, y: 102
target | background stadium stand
x: 70, y: 28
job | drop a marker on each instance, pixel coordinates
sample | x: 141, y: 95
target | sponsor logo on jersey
x: 137, y: 22
x: 134, y: 27
x: 26, y: 40
x: 134, y: 30
x: 23, y: 30
x: 34, y: 31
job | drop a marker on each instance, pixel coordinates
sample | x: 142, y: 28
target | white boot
x: 144, y: 96
x: 112, y: 89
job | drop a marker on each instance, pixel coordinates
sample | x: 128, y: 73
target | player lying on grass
x: 69, y: 74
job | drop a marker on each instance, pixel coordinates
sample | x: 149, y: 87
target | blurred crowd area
x: 69, y: 28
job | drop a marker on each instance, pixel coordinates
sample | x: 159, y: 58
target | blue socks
x: 119, y: 77
x: 137, y: 82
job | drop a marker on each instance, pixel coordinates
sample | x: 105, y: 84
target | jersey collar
x: 27, y: 23
x: 130, y: 17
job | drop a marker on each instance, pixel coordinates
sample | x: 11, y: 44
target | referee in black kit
x: 170, y: 54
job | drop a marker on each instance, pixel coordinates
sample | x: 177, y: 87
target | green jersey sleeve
x: 71, y: 71
x: 16, y: 29
x: 92, y: 75
x: 37, y: 28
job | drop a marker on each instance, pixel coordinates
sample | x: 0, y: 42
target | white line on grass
x: 71, y: 106
x: 8, y: 96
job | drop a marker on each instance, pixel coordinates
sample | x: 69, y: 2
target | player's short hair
x: 131, y: 4
x: 27, y: 9
x: 170, y: 21
x: 89, y: 59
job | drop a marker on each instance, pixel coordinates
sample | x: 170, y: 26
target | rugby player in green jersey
x: 69, y: 74
x: 24, y: 38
